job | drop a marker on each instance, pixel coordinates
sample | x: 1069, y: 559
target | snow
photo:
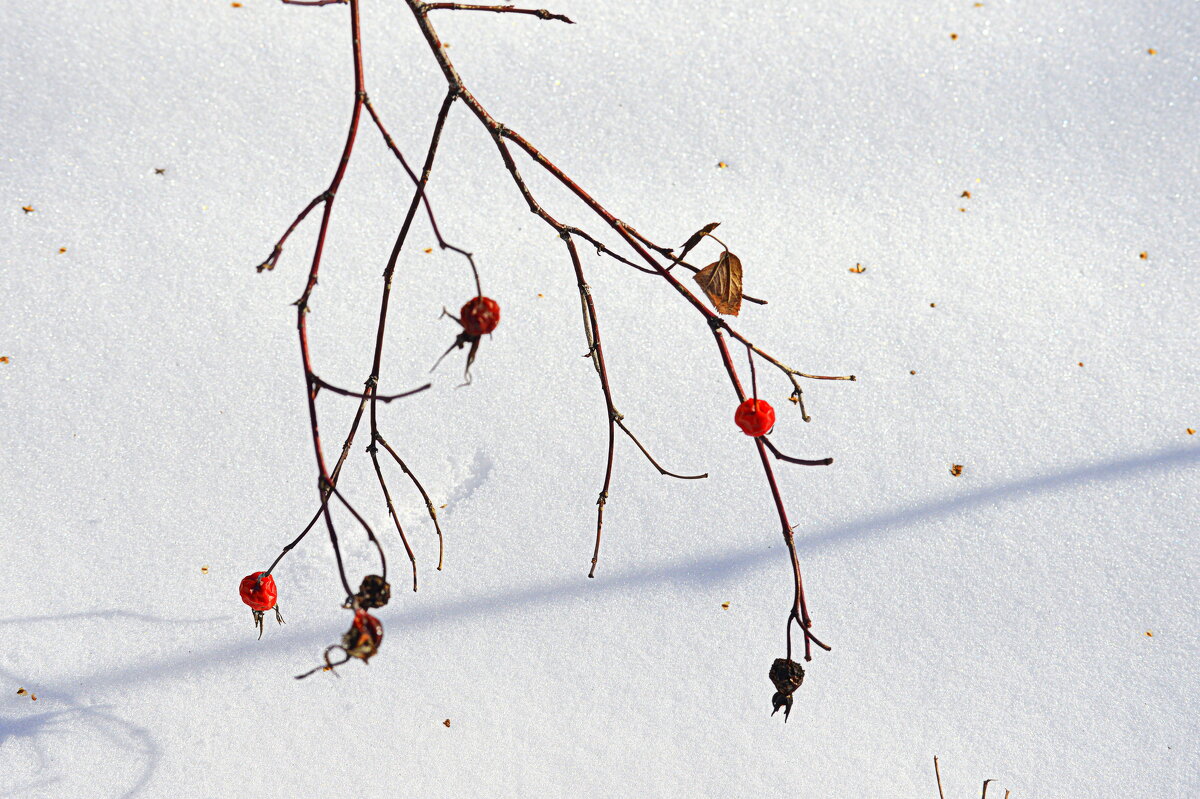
x: 1032, y: 620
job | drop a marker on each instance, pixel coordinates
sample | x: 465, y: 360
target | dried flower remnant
x: 787, y: 675
x: 374, y: 592
x: 956, y: 469
x: 363, y: 638
x: 361, y: 641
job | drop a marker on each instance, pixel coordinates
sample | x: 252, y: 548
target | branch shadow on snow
x: 707, y: 569
x: 60, y: 715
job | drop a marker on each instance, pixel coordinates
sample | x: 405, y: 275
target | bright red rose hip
x: 261, y: 596
x: 479, y: 315
x: 755, y: 417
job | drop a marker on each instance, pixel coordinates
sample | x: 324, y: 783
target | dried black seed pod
x: 787, y: 675
x: 373, y: 593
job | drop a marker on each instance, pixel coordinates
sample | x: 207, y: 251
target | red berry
x: 259, y: 596
x: 480, y: 315
x: 755, y: 417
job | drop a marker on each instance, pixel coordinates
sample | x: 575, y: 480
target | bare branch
x: 540, y: 13
x: 317, y: 381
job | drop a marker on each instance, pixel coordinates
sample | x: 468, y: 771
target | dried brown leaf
x: 695, y: 238
x: 722, y: 282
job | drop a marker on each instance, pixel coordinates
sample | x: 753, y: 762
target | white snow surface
x: 1032, y: 620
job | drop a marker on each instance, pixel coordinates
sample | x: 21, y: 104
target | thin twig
x: 437, y: 232
x: 368, y: 395
x: 428, y: 502
x: 798, y: 461
x: 591, y: 327
x: 621, y: 424
x: 540, y: 13
x: 371, y: 448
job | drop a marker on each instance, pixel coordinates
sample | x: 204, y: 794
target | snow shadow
x: 60, y: 715
x: 701, y: 570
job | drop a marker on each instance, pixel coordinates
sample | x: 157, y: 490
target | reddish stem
x: 541, y: 13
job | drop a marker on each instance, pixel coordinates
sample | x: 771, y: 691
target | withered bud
x: 787, y: 675
x: 373, y: 593
x: 363, y: 638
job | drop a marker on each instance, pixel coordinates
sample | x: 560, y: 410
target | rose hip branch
x: 720, y: 282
